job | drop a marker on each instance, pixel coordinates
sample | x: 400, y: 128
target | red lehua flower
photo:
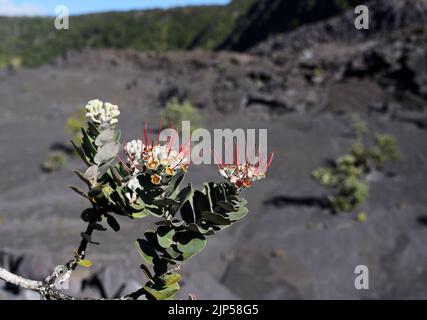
x: 243, y: 173
x: 150, y: 154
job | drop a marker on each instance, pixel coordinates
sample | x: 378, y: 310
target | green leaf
x: 215, y: 218
x: 112, y: 222
x: 201, y: 202
x: 88, y: 214
x: 92, y: 130
x: 154, y: 210
x: 85, y: 263
x: 146, y: 251
x: 106, y: 136
x: 171, y: 252
x: 190, y: 243
x: 118, y: 198
x: 172, y: 185
x: 200, y: 229
x: 81, y: 153
x: 80, y: 192
x: 106, y: 153
x: 177, y: 223
x: 140, y: 214
x: 137, y: 205
x: 169, y: 279
x: 207, y: 190
x: 163, y: 293
x: 187, y: 212
x: 165, y: 202
x: 219, y: 193
x: 239, y: 214
x: 94, y: 192
x: 91, y: 174
x: 116, y: 176
x: 183, y: 196
x: 117, y: 136
x: 83, y: 178
x: 165, y: 236
x: 87, y: 146
x: 147, y: 272
x: 227, y: 206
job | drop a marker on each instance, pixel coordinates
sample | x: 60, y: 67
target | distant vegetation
x: 74, y: 124
x: 345, y: 179
x: 176, y: 112
x: 58, y: 157
x: 55, y: 161
x: 36, y: 41
x: 238, y: 25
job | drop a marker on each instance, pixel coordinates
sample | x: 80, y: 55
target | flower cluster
x: 102, y: 113
x: 159, y: 161
x: 243, y: 174
x: 133, y: 185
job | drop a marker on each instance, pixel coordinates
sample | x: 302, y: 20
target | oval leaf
x: 85, y: 263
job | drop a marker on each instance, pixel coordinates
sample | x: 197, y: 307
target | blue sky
x: 47, y: 7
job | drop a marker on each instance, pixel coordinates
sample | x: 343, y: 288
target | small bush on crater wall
x: 345, y: 178
x: 55, y: 161
x: 74, y: 124
x: 176, y: 112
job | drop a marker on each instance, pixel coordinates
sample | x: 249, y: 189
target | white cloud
x: 8, y: 8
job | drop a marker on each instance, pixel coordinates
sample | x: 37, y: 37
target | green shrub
x: 345, y: 178
x: 204, y: 27
x: 176, y: 112
x: 55, y: 161
x: 74, y: 124
x: 149, y: 182
x: 360, y: 128
x: 362, y: 217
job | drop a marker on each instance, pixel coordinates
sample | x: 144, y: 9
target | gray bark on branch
x: 46, y: 290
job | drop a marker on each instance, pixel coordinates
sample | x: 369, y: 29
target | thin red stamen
x: 268, y: 163
x: 123, y: 164
x: 127, y: 153
x: 184, y: 148
x: 171, y: 140
x: 235, y: 153
x: 145, y: 133
x: 151, y: 137
x: 160, y: 129
x: 218, y: 159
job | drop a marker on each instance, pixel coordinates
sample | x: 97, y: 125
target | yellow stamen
x: 156, y: 179
x: 153, y: 164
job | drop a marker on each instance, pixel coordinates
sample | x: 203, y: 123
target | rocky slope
x: 269, y: 17
x: 385, y: 16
